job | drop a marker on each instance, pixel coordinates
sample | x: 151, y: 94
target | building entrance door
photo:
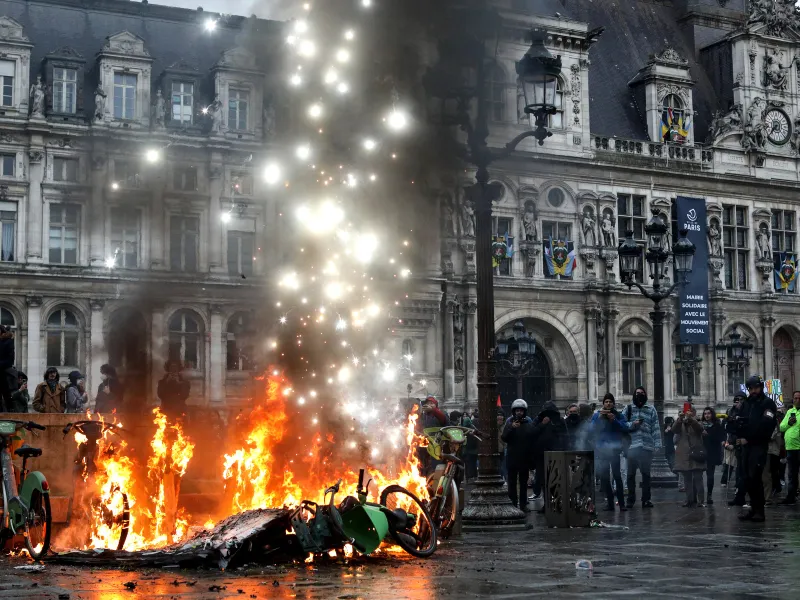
x: 783, y: 361
x: 535, y: 387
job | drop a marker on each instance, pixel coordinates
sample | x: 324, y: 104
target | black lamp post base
x: 489, y: 509
x: 660, y: 474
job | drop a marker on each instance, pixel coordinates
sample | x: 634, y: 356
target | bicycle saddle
x: 28, y: 452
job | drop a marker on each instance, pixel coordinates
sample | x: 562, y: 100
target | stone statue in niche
x: 37, y: 98
x: 588, y: 227
x: 763, y: 242
x: 529, y: 221
x: 467, y: 218
x: 458, y: 356
x: 755, y: 130
x: 159, y: 110
x: 775, y: 74
x: 99, y: 104
x: 215, y: 110
x: 449, y: 211
x: 714, y: 239
x: 723, y: 123
x: 607, y: 229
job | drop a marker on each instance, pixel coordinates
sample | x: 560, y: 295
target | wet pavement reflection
x: 665, y: 552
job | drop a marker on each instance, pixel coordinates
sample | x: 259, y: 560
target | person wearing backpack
x: 50, y: 395
x: 642, y: 421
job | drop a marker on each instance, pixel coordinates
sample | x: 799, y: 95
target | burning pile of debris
x: 251, y: 536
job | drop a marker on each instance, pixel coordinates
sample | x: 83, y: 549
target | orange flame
x: 151, y: 490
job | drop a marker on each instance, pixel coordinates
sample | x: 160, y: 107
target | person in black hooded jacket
x: 518, y: 435
x: 549, y: 434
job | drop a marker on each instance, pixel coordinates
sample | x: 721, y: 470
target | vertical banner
x: 693, y: 297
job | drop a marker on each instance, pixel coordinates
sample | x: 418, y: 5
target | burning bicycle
x: 399, y: 516
x: 95, y: 504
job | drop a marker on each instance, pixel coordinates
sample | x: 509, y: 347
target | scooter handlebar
x: 31, y: 425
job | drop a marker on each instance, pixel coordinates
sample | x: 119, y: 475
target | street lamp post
x: 686, y: 363
x: 630, y: 255
x: 516, y: 354
x: 735, y: 353
x: 453, y: 84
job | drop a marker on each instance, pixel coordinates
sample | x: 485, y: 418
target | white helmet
x: 519, y: 403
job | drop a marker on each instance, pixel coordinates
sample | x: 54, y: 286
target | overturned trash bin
x: 569, y: 492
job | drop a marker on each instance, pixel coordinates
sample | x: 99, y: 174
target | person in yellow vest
x: 790, y: 428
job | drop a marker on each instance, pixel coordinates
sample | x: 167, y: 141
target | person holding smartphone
x: 609, y: 425
x: 21, y: 399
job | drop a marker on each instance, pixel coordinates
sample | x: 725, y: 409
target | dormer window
x: 496, y: 93
x: 7, y: 82
x: 182, y: 102
x: 65, y: 85
x: 674, y: 121
x: 124, y: 96
x: 238, y: 106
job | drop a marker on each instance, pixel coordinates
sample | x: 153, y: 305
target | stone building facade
x: 727, y: 74
x: 133, y: 210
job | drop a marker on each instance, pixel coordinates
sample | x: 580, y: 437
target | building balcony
x: 691, y: 155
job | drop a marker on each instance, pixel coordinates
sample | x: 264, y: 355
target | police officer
x: 753, y: 427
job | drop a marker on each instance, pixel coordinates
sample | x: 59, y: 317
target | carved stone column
x: 449, y: 367
x: 34, y: 366
x: 612, y: 336
x: 610, y: 255
x: 33, y: 249
x: 718, y: 322
x: 590, y: 315
x: 158, y: 229
x: 98, y: 351
x: 471, y: 350
x: 158, y: 348
x: 767, y: 325
x: 96, y: 220
x: 668, y: 352
x: 216, y: 367
x: 215, y: 226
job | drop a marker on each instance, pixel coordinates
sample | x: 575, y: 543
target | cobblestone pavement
x: 666, y: 552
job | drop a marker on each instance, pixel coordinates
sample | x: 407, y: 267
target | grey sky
x: 267, y: 9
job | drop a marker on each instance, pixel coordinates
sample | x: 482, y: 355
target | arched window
x: 408, y: 353
x: 496, y: 93
x: 7, y: 318
x: 185, y: 334
x: 63, y: 334
x: 688, y: 371
x: 239, y: 345
x: 673, y: 119
x: 557, y: 120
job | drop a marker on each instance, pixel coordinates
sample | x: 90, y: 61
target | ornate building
x: 132, y: 220
x: 657, y: 99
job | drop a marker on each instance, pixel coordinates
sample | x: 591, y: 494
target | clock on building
x: 778, y: 128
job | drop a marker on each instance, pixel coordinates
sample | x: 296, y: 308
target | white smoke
x: 279, y: 10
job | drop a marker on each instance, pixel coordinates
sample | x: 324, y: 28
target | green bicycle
x: 442, y: 483
x: 26, y: 506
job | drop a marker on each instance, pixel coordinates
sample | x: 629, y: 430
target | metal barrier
x: 569, y: 492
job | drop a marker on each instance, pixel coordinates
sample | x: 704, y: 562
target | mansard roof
x: 168, y: 34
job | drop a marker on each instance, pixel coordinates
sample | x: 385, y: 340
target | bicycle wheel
x: 447, y: 516
x: 38, y: 525
x: 418, y: 535
x: 125, y: 521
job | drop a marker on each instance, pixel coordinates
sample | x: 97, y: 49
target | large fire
x: 151, y: 489
x: 288, y: 459
x: 284, y: 459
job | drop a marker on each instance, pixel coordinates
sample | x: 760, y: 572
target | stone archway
x: 783, y: 360
x: 556, y: 373
x: 128, y: 353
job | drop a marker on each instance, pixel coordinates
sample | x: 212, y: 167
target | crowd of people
x: 756, y: 443
x: 52, y: 395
